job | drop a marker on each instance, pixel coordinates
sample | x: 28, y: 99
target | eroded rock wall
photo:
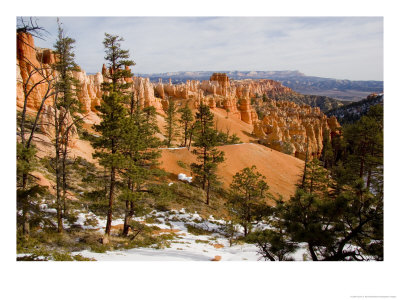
x: 33, y: 72
x: 288, y: 127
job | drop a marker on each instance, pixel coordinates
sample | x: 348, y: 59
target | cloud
x: 346, y: 47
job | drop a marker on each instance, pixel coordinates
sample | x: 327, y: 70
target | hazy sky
x: 342, y: 48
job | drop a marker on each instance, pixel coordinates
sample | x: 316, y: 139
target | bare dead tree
x: 34, y: 75
x: 30, y: 26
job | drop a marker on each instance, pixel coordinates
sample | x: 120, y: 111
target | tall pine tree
x: 208, y: 156
x: 247, y: 197
x: 170, y: 126
x: 113, y: 113
x: 140, y: 148
x: 186, y: 120
x: 66, y: 105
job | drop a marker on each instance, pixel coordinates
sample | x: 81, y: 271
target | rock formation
x: 144, y: 91
x: 90, y: 90
x: 32, y: 70
x: 288, y: 127
x: 259, y: 87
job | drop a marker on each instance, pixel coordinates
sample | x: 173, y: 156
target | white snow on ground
x: 186, y: 246
x: 183, y: 177
x: 45, y: 208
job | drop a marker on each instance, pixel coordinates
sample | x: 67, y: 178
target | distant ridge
x: 347, y: 90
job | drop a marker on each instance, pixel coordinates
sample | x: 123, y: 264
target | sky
x: 333, y: 47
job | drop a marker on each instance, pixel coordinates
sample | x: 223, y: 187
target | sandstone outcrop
x: 216, y: 92
x: 288, y: 127
x: 90, y: 90
x: 259, y: 87
x: 144, y: 91
x: 34, y: 64
x: 32, y: 69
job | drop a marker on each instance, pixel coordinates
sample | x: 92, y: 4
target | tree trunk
x: 204, y: 169
x: 64, y: 173
x: 208, y: 192
x: 25, y: 207
x: 369, y: 179
x: 267, y: 254
x: 313, y: 255
x: 186, y: 133
x: 126, y: 219
x: 110, y: 201
x: 362, y: 168
x: 58, y: 172
x: 190, y: 138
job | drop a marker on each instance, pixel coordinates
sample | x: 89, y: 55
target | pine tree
x: 304, y: 222
x: 264, y: 98
x: 205, y: 142
x: 365, y: 146
x: 65, y: 106
x: 113, y: 114
x: 247, y: 197
x: 27, y: 189
x: 273, y: 244
x: 170, y: 126
x: 140, y: 149
x: 186, y: 120
x: 316, y: 179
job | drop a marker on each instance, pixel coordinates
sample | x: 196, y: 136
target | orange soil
x: 282, y: 171
x: 233, y: 125
x: 41, y: 180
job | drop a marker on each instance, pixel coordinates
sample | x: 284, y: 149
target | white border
x: 171, y: 280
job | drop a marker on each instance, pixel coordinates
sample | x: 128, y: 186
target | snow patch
x: 183, y: 177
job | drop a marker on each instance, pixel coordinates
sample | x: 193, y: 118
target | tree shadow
x: 255, y: 139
